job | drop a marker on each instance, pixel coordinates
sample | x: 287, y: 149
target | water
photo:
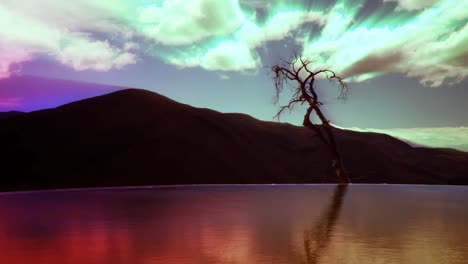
x: 237, y: 224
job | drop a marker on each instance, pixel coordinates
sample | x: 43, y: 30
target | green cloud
x: 439, y: 137
x: 427, y: 40
x: 187, y: 22
x: 237, y: 53
x: 413, y: 46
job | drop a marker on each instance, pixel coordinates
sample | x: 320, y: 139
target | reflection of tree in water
x: 317, y: 239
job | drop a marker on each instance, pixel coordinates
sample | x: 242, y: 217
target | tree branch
x: 305, y: 92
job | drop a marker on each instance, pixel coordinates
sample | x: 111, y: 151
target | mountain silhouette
x: 10, y: 114
x: 137, y: 137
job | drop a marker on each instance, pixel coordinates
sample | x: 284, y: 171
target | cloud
x: 437, y: 61
x: 239, y: 54
x: 374, y: 63
x: 428, y: 43
x: 81, y: 16
x: 256, y: 4
x: 67, y: 33
x: 430, y: 46
x: 412, y: 5
x: 278, y: 27
x: 29, y: 30
x: 10, y: 102
x: 226, y: 56
x: 181, y: 22
x: 230, y: 56
x: 82, y: 54
x: 439, y: 137
x: 11, y: 56
x: 224, y: 76
x: 129, y: 46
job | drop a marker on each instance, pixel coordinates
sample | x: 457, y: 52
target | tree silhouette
x: 297, y: 71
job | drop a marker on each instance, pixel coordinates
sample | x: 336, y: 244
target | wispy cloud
x: 440, y: 137
x: 412, y: 5
x: 55, y: 29
x: 224, y: 76
x: 10, y: 102
x: 238, y: 53
x: 429, y: 45
x: 425, y: 39
x: 186, y: 22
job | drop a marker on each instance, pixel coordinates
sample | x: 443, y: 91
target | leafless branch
x: 304, y: 92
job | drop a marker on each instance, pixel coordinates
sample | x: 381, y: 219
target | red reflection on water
x: 238, y: 225
x: 189, y: 227
x: 86, y: 231
x: 77, y: 244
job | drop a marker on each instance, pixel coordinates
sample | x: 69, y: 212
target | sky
x: 405, y: 61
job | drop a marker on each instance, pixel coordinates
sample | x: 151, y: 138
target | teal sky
x: 406, y: 61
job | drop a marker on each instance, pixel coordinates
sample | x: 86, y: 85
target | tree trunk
x: 330, y: 143
x: 337, y: 162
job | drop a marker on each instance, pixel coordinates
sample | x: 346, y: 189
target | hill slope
x: 8, y: 114
x: 136, y: 137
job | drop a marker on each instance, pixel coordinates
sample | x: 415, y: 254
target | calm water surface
x: 237, y: 224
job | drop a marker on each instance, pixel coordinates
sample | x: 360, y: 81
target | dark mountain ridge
x: 136, y: 137
x: 8, y: 114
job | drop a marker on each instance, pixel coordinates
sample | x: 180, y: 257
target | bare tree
x: 298, y: 72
